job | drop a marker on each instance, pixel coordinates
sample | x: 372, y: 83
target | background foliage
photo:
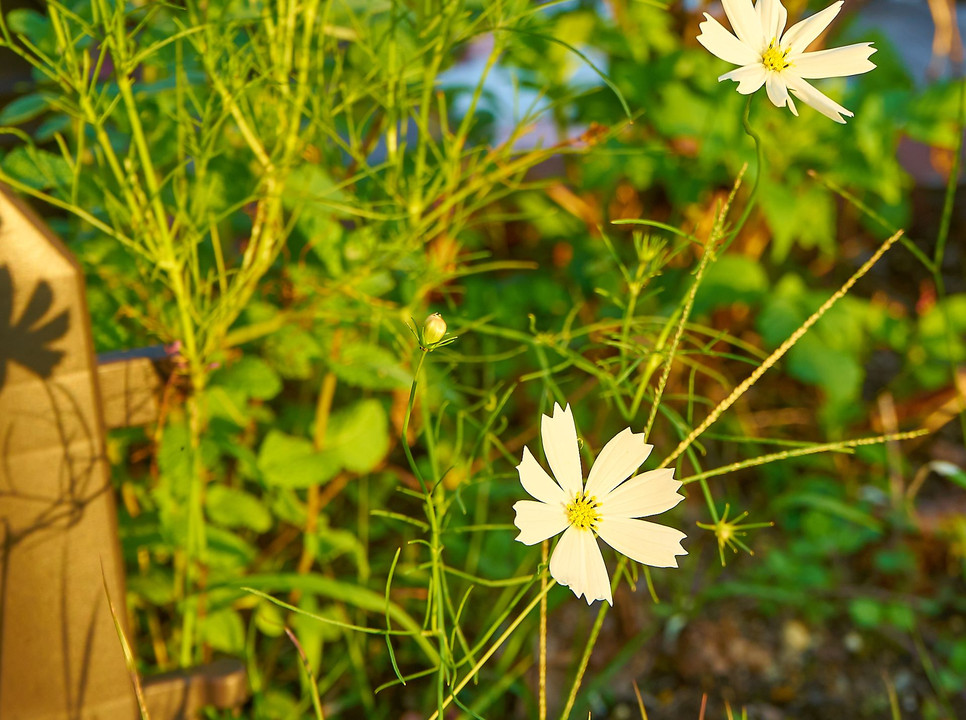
x: 275, y: 189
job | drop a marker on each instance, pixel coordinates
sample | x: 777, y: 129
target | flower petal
x: 644, y: 541
x: 649, y: 493
x: 791, y: 105
x: 749, y: 78
x: 801, y: 34
x: 536, y: 481
x: 538, y: 521
x: 617, y: 461
x: 777, y: 92
x: 577, y: 563
x: 821, y: 102
x: 721, y: 43
x: 836, y: 62
x: 745, y: 23
x: 773, y: 17
x: 560, y: 446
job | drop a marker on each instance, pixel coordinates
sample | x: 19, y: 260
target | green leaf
x: 269, y: 619
x: 23, y: 109
x: 250, y: 376
x: 360, y: 435
x: 731, y: 279
x: 939, y: 341
x: 835, y: 371
x: 372, y: 367
x: 32, y: 25
x: 309, y: 183
x: 37, y: 168
x: 224, y: 631
x: 227, y: 550
x: 898, y: 561
x: 312, y: 633
x: 287, y: 506
x: 174, y: 458
x: 805, y: 218
x: 154, y: 585
x: 782, y: 310
x: 832, y: 506
x: 866, y: 612
x: 334, y: 542
x: 51, y: 125
x: 957, y: 658
x: 292, y: 351
x: 277, y: 704
x: 933, y: 115
x: 902, y: 616
x: 292, y: 462
x: 234, y: 508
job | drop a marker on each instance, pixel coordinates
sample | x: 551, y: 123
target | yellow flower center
x: 582, y: 512
x: 774, y: 58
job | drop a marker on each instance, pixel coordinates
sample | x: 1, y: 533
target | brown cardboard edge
x: 37, y: 222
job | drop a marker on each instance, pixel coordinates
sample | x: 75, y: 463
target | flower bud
x: 433, y: 329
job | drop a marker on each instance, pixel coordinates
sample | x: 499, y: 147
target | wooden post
x: 60, y: 657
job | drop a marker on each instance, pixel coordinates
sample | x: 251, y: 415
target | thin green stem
x: 497, y: 644
x: 591, y: 642
x: 436, y: 607
x: 779, y: 352
x: 405, y: 425
x: 952, y: 184
x: 309, y: 675
x: 759, y: 171
x: 840, y: 446
x: 542, y: 682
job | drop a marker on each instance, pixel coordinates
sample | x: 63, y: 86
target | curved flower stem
x: 498, y: 643
x: 545, y: 548
x: 759, y: 170
x: 436, y: 605
x: 584, y: 659
x: 940, y: 252
x: 405, y: 425
x: 951, y: 184
x: 591, y: 641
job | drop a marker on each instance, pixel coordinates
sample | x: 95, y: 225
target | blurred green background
x: 410, y: 186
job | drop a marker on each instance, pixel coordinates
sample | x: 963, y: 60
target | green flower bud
x: 433, y: 329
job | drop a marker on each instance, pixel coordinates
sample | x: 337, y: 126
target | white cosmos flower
x: 606, y: 507
x: 774, y: 57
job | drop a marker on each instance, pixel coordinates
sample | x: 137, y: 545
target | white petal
x: 801, y: 34
x: 617, y: 461
x: 777, y: 92
x: 836, y: 62
x: 577, y: 563
x: 810, y: 96
x: 560, y: 446
x: 749, y: 78
x: 745, y: 23
x: 723, y: 44
x: 536, y: 481
x: 538, y: 521
x: 649, y: 493
x: 644, y: 541
x: 773, y: 16
x: 791, y: 106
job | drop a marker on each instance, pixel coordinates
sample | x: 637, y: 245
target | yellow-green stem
x: 498, y: 643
